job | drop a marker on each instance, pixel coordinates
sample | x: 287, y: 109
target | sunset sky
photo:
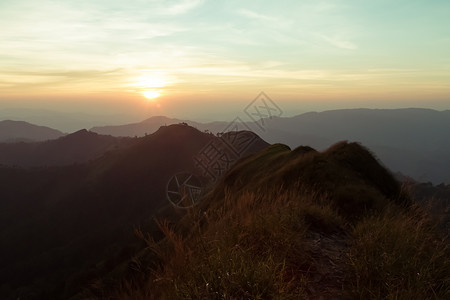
x: 206, y: 59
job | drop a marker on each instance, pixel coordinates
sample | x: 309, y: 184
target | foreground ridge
x: 299, y: 224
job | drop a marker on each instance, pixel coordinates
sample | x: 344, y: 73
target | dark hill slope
x: 152, y: 124
x: 347, y: 171
x: 300, y: 224
x: 145, y: 127
x: 77, y: 147
x: 62, y: 227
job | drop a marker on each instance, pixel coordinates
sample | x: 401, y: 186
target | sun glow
x: 151, y: 94
x: 151, y: 84
x: 152, y: 81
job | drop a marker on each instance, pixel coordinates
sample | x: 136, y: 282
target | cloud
x: 324, y: 6
x: 272, y: 22
x: 338, y: 42
x: 254, y: 15
x: 88, y: 79
x: 183, y: 7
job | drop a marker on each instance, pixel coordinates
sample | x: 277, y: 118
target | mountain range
x: 63, y: 226
x: 265, y: 219
x: 414, y: 142
x: 60, y: 120
x: 20, y: 131
x: 400, y: 138
x: 78, y: 147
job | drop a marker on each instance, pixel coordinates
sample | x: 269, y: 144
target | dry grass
x: 253, y: 246
x: 259, y: 246
x: 400, y: 255
x: 348, y: 231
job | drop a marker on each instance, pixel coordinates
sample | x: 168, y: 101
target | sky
x: 205, y: 59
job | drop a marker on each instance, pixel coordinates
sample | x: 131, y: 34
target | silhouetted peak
x: 83, y: 132
x: 81, y: 135
x: 157, y: 119
x: 232, y: 133
x: 303, y: 150
x: 173, y: 128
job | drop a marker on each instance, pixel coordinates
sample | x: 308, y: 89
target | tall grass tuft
x: 399, y: 255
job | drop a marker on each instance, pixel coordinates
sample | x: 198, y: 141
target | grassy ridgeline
x: 300, y: 225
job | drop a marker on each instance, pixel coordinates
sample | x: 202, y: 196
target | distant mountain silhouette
x: 77, y: 147
x: 412, y: 141
x: 63, y: 121
x: 62, y: 227
x: 152, y: 124
x: 17, y: 131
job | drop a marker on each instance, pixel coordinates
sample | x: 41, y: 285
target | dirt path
x: 329, y: 253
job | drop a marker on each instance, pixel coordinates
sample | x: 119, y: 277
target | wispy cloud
x: 272, y: 21
x: 338, y: 42
x: 87, y: 79
x: 324, y: 6
x: 254, y: 15
x: 183, y: 6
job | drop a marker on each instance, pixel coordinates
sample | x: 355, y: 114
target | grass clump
x: 251, y: 246
x: 244, y: 250
x: 399, y: 255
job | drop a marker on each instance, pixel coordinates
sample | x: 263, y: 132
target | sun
x: 151, y: 84
x: 151, y: 94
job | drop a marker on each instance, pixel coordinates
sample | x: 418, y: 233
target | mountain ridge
x: 297, y: 224
x: 387, y: 132
x: 13, y: 131
x: 62, y: 226
x: 77, y: 147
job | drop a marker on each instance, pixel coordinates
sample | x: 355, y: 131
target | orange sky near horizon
x: 198, y: 58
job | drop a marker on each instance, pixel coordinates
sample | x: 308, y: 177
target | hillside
x: 64, y: 227
x: 77, y: 147
x: 16, y: 131
x: 152, y: 124
x: 297, y: 224
x: 136, y: 129
x: 272, y: 223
